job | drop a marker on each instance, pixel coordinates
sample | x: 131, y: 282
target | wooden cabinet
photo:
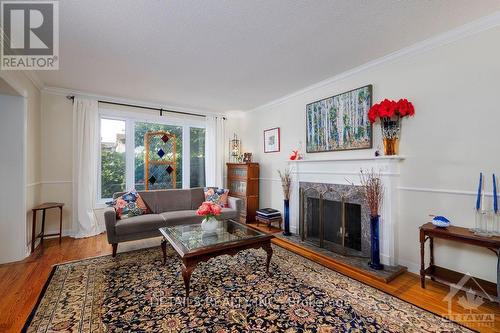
x: 243, y: 183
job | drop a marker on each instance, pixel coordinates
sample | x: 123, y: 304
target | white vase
x: 209, y: 224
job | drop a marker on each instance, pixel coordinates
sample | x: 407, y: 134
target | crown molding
x: 37, y: 82
x: 466, y: 30
x: 67, y: 92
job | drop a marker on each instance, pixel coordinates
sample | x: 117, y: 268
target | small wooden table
x: 194, y: 245
x: 463, y: 235
x: 269, y: 222
x: 43, y: 207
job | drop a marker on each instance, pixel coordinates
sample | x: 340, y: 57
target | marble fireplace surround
x: 344, y: 171
x: 339, y: 193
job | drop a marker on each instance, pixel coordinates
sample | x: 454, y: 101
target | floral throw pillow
x: 217, y: 196
x: 129, y: 204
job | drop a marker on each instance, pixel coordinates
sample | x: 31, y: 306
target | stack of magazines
x: 269, y: 214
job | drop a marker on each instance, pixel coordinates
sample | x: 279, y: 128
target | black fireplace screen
x: 333, y: 225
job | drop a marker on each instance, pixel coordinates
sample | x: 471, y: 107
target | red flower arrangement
x: 389, y: 108
x: 209, y: 209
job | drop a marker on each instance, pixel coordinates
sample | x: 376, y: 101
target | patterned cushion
x: 129, y: 204
x: 217, y: 196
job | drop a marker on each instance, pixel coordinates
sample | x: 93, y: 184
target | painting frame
x: 367, y: 125
x: 272, y: 147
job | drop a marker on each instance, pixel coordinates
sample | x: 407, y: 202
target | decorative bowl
x: 441, y: 222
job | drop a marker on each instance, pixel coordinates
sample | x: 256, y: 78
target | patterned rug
x: 136, y: 293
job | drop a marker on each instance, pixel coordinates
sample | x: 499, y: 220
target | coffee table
x: 194, y: 245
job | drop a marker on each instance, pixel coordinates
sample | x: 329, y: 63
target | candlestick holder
x: 481, y: 223
x: 495, y: 223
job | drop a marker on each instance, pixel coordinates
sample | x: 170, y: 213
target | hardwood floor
x: 22, y: 282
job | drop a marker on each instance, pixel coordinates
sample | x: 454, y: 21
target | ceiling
x: 235, y: 54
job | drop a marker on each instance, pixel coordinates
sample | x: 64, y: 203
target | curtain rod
x: 147, y: 108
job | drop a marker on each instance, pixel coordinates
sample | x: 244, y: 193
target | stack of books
x: 269, y: 213
x: 268, y: 216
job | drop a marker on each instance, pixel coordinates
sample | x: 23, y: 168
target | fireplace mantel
x: 345, y: 171
x: 362, y: 158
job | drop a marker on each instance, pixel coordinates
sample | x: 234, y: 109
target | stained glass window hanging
x: 159, y: 160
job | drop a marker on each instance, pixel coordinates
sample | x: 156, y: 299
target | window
x: 122, y: 160
x: 112, y: 157
x: 197, y: 157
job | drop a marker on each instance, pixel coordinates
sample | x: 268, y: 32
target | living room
x: 230, y: 166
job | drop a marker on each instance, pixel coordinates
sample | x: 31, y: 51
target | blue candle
x: 478, y: 201
x: 495, y: 199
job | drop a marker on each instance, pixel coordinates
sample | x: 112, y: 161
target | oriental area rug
x: 135, y: 292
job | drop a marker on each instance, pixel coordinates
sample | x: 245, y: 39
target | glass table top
x: 191, y: 237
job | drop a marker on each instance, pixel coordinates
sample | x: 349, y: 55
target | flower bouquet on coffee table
x: 210, y: 211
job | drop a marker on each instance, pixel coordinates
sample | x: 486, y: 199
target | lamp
x: 234, y: 149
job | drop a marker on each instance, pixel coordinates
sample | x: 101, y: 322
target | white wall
x: 57, y: 160
x: 453, y: 136
x: 22, y: 84
x: 12, y: 177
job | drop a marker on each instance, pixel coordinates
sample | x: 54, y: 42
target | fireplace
x: 334, y: 217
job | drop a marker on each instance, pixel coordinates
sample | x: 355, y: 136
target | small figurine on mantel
x: 296, y: 154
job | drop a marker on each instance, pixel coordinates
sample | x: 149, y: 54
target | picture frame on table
x: 272, y: 140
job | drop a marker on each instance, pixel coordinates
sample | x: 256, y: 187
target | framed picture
x: 340, y: 122
x: 272, y: 140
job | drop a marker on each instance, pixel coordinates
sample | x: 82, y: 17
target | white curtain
x: 214, y: 151
x: 85, y: 164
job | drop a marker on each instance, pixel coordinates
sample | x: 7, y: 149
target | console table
x: 463, y: 235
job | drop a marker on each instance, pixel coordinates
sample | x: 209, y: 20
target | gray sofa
x: 167, y: 207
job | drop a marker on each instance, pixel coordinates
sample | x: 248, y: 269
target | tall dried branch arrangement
x: 286, y: 182
x: 372, y: 189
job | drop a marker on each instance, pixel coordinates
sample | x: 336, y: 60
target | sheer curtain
x: 214, y: 151
x: 85, y: 164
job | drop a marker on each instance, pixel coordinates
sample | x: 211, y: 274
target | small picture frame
x: 247, y: 157
x: 272, y: 140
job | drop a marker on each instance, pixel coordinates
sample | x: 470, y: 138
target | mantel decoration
x: 209, y: 210
x: 373, y: 191
x: 390, y: 113
x: 286, y: 182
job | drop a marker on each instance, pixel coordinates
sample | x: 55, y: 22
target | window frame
x: 131, y: 118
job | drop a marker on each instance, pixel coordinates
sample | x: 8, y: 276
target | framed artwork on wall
x: 340, y: 122
x: 272, y: 140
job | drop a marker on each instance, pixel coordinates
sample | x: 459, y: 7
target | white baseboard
x: 65, y: 233
x: 412, y: 266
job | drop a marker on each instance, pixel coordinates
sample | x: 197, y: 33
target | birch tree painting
x: 340, y: 122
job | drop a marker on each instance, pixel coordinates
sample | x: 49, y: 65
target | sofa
x: 165, y: 208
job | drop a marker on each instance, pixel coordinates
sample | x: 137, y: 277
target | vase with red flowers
x: 209, y: 211
x: 390, y: 113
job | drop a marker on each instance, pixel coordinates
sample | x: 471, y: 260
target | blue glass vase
x: 375, y: 246
x: 286, y: 212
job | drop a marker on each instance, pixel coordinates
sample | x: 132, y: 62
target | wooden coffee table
x: 195, y: 245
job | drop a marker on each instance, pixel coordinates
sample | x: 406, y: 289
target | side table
x: 43, y: 207
x: 463, y: 236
